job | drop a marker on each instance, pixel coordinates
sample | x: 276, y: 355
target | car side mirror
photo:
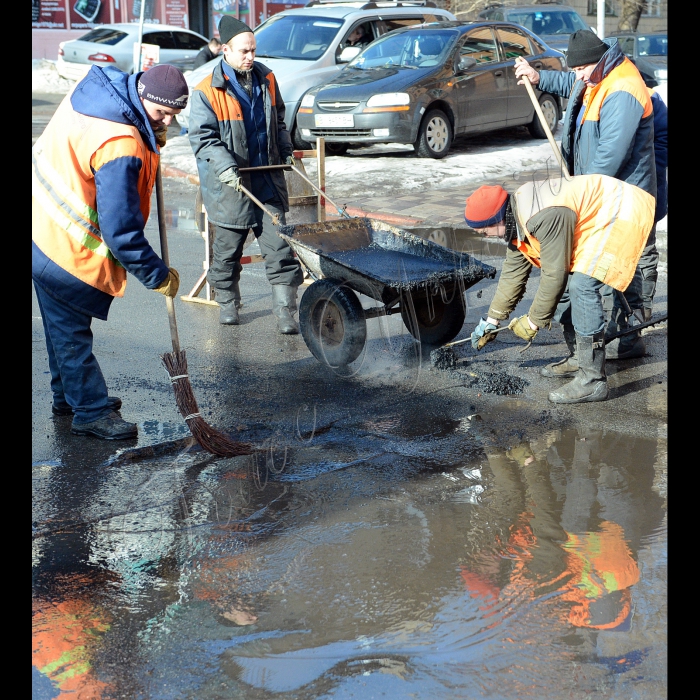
x: 466, y: 63
x: 348, y: 53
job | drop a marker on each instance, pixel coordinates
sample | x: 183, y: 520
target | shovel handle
x: 545, y: 126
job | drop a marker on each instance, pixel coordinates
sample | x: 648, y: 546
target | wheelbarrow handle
x: 340, y: 210
x: 262, y: 168
x: 286, y: 166
x: 275, y: 217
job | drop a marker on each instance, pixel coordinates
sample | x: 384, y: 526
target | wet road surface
x: 401, y: 531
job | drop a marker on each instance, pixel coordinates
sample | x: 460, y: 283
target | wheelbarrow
x: 406, y: 274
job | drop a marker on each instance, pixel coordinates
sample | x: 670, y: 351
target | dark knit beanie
x: 230, y: 26
x: 584, y: 48
x: 486, y: 207
x: 165, y: 85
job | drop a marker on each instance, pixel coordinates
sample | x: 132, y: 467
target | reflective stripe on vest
x: 65, y: 222
x: 613, y: 221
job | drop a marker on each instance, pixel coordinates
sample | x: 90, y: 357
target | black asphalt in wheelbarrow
x: 407, y: 274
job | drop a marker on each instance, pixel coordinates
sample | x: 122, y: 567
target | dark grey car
x: 648, y: 51
x: 425, y: 85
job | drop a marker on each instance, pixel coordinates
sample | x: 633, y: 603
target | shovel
x: 545, y: 126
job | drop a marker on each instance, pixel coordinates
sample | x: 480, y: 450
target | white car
x: 305, y: 47
x: 113, y: 45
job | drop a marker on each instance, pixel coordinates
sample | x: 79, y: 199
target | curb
x: 394, y: 219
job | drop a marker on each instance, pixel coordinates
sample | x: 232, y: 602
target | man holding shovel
x: 608, y: 129
x: 237, y: 121
x: 582, y: 232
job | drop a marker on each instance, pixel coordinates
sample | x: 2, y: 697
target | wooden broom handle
x: 169, y: 301
x: 545, y: 126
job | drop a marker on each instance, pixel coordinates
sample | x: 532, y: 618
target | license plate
x: 335, y: 120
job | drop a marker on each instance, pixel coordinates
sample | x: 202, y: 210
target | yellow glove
x: 161, y: 135
x: 170, y: 284
x: 290, y: 160
x: 521, y: 327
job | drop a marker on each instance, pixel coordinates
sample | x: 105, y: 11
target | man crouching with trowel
x: 589, y: 229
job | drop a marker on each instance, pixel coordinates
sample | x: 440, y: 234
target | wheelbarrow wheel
x: 332, y: 322
x: 430, y: 319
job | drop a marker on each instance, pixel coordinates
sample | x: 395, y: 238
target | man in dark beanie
x: 94, y: 168
x: 608, y: 129
x: 237, y: 121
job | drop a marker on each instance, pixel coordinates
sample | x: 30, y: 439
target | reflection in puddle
x: 537, y: 571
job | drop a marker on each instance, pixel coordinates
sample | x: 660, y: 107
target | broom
x: 209, y: 438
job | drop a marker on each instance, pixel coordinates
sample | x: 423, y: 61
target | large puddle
x: 382, y: 561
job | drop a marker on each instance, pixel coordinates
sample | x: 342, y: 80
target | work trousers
x: 281, y: 266
x: 76, y: 377
x: 581, y: 305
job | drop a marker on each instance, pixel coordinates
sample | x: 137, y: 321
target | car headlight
x: 307, y: 101
x: 661, y: 74
x: 389, y: 99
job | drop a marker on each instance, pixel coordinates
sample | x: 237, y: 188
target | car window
x: 653, y: 45
x: 389, y: 25
x: 187, y: 41
x: 102, y: 35
x: 514, y: 42
x: 548, y: 22
x: 163, y: 39
x: 296, y: 36
x: 480, y: 45
x: 626, y: 44
x: 414, y: 49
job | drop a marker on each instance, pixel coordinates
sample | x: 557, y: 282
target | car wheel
x: 336, y: 149
x: 298, y: 142
x: 434, y: 135
x: 548, y: 105
x: 430, y: 319
x: 332, y: 322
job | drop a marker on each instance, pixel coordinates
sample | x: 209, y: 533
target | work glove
x: 161, y: 135
x: 290, y: 160
x: 170, y: 284
x: 231, y: 178
x: 482, y: 334
x: 521, y: 327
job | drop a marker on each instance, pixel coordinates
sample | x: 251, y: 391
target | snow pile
x: 45, y: 77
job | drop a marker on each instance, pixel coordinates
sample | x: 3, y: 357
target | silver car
x: 307, y: 46
x: 113, y: 45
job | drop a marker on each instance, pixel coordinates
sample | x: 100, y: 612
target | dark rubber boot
x: 111, y: 427
x: 590, y: 382
x: 114, y: 403
x: 627, y: 347
x: 566, y: 368
x: 228, y: 313
x: 284, y: 305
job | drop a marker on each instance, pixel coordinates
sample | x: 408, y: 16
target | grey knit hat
x: 584, y: 47
x: 165, y: 85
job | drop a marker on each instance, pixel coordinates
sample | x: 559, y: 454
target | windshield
x: 548, y: 22
x: 653, y: 45
x: 295, y: 36
x: 414, y: 49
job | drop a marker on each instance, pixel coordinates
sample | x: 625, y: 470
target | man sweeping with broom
x: 93, y: 171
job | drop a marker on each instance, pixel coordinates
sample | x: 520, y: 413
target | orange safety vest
x: 623, y: 78
x: 613, y: 221
x: 65, y: 221
x: 602, y: 565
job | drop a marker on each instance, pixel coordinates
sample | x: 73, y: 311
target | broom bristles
x: 208, y: 437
